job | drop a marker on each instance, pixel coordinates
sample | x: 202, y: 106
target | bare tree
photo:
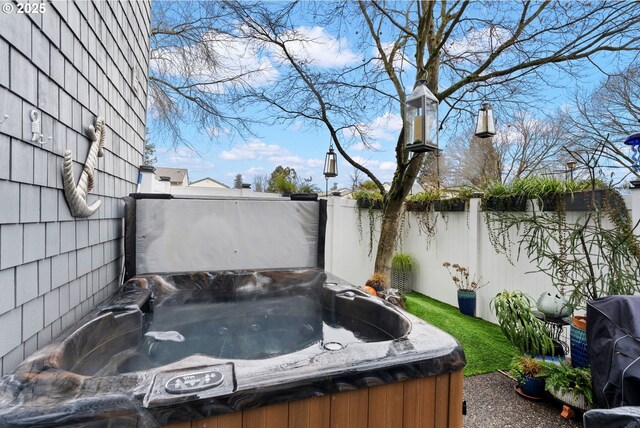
x: 196, y: 70
x: 605, y: 117
x: 530, y: 145
x: 260, y: 182
x: 466, y: 52
x: 473, y: 162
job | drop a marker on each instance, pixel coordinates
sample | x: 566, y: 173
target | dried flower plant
x: 462, y: 279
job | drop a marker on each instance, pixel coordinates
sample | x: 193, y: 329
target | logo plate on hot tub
x: 193, y: 382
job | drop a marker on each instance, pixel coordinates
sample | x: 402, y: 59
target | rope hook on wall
x: 36, y: 134
x: 76, y: 196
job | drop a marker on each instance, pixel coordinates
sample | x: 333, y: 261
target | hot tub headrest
x: 184, y: 235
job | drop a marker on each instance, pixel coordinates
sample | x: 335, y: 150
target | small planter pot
x: 504, y: 203
x: 418, y: 205
x: 374, y: 204
x: 568, y: 398
x: 402, y: 281
x: 578, y: 342
x: 551, y: 202
x: 453, y: 204
x: 304, y: 196
x: 467, y: 302
x: 584, y: 200
x: 532, y: 387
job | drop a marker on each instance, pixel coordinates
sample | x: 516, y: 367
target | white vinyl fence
x: 461, y: 237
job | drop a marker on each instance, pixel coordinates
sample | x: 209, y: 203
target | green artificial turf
x: 485, y: 347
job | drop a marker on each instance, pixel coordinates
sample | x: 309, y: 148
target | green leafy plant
x: 402, y: 262
x: 370, y: 200
x: 461, y: 279
x: 422, y: 201
x: 523, y: 366
x: 563, y: 379
x: 516, y: 318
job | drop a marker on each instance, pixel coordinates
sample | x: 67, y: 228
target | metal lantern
x: 571, y: 165
x: 485, y: 126
x: 421, y: 120
x: 634, y: 142
x: 330, y: 164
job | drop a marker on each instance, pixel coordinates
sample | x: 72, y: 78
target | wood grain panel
x: 349, y: 409
x: 456, y: 381
x: 419, y: 403
x: 433, y: 402
x: 229, y: 420
x: 441, y: 418
x: 385, y: 405
x: 310, y: 413
x: 273, y: 416
x: 179, y: 425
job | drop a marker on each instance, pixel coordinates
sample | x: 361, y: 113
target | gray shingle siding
x: 72, y: 63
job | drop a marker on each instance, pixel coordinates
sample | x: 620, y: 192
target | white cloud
x: 476, y: 45
x: 255, y: 170
x: 385, y: 128
x: 388, y: 166
x: 254, y: 149
x: 233, y: 58
x: 215, y: 131
x: 313, y: 45
x: 183, y: 157
x: 313, y: 163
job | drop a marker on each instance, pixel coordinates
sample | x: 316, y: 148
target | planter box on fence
x: 375, y: 204
x: 418, y: 205
x: 584, y: 201
x: 504, y: 203
x: 453, y: 204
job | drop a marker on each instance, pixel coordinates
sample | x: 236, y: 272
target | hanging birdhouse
x: 421, y: 120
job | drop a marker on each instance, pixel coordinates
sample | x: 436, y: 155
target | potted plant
x: 422, y: 201
x: 527, y: 371
x: 467, y: 287
x: 371, y: 199
x: 570, y: 385
x: 500, y: 197
x: 518, y: 322
x: 458, y: 202
x: 402, y: 266
x: 578, y: 342
x: 377, y: 281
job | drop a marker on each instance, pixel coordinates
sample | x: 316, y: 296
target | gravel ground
x: 492, y: 402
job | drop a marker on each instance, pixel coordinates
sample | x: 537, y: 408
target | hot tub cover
x: 613, y: 334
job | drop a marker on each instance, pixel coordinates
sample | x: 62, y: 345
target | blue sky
x: 304, y: 148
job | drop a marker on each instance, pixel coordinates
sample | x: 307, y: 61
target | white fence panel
x: 461, y: 237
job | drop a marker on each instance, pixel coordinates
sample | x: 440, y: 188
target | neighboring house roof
x: 176, y: 175
x: 208, y: 182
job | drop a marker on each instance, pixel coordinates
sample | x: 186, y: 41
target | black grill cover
x: 621, y: 417
x: 613, y: 335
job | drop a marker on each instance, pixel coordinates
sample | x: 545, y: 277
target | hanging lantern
x: 485, y: 126
x: 634, y: 142
x: 421, y: 120
x: 330, y: 164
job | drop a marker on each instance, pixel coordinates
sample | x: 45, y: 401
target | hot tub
x: 185, y: 346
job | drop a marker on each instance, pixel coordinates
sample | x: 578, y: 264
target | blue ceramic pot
x: 579, y: 349
x: 532, y: 386
x: 467, y: 302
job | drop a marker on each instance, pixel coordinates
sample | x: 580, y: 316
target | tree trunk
x: 393, y: 210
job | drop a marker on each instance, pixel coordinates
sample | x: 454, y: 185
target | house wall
x: 461, y: 237
x: 73, y: 62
